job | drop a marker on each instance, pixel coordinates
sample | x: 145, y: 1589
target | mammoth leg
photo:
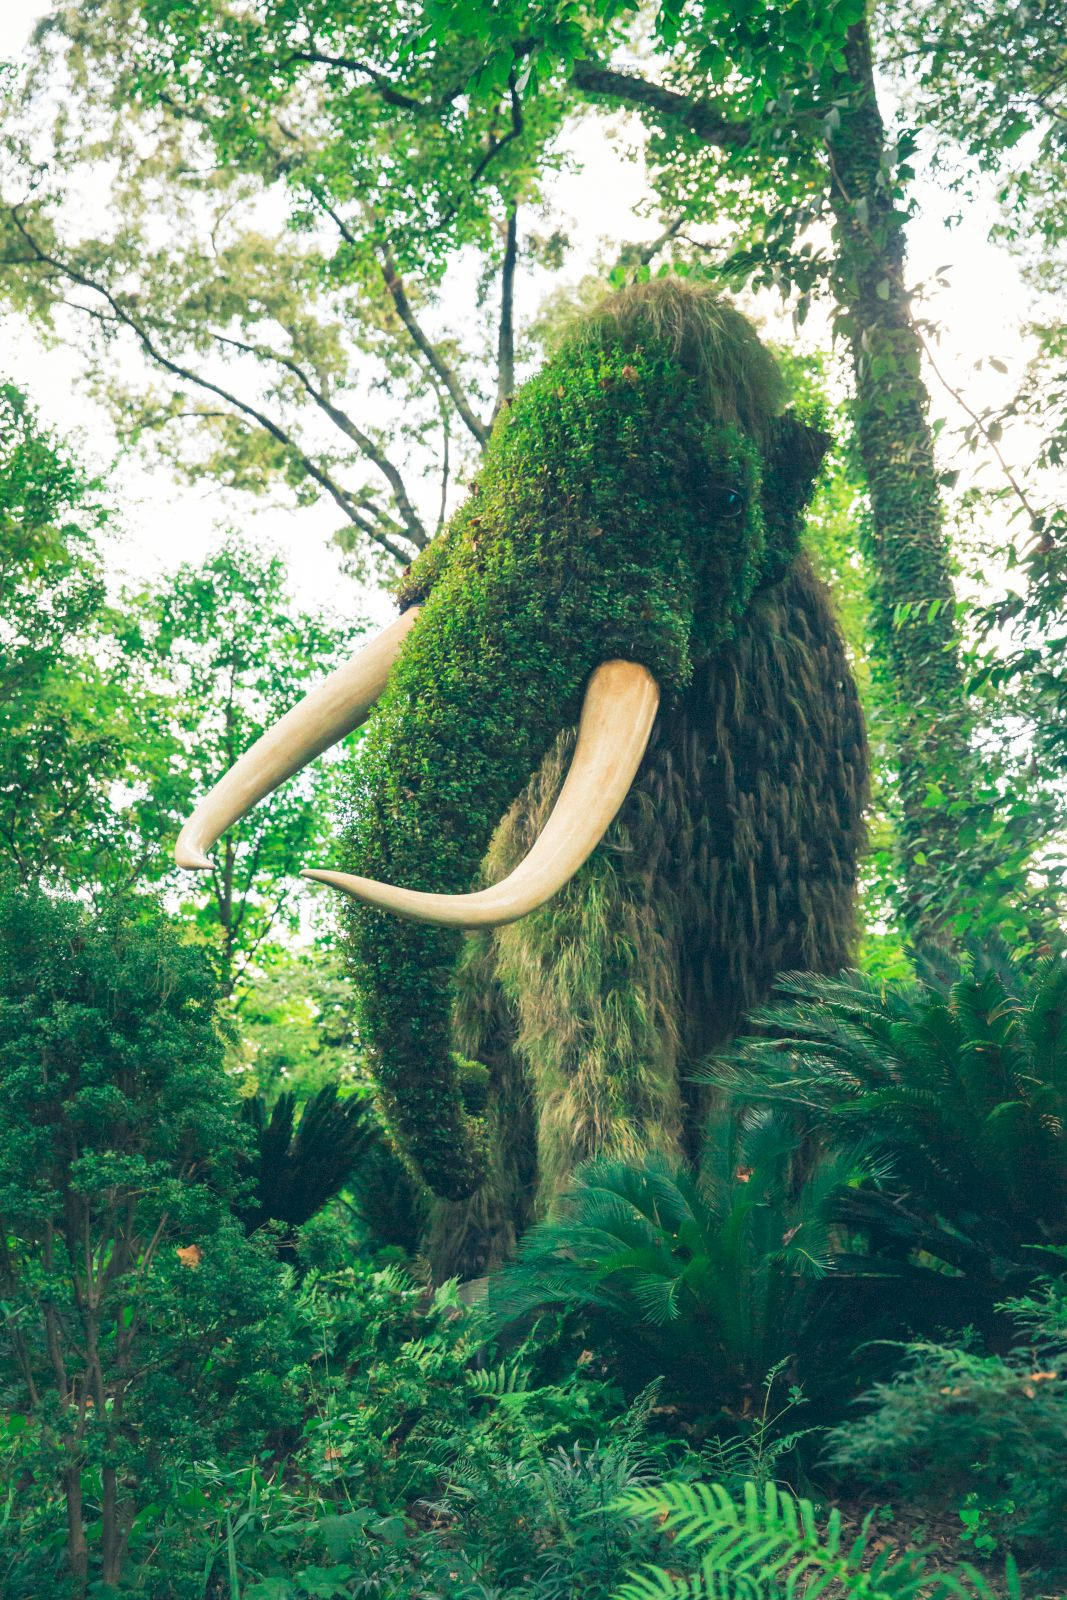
x: 592, y: 986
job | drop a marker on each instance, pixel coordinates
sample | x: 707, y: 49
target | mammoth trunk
x: 430, y: 792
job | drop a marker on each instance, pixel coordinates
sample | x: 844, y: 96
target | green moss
x: 734, y: 858
x: 619, y: 512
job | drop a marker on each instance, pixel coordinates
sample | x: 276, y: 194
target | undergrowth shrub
x: 766, y: 1544
x: 984, y: 1435
x: 708, y: 1276
x: 961, y: 1082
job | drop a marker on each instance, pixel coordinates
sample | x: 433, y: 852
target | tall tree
x: 274, y: 335
x: 403, y: 141
x: 988, y: 85
x: 63, y: 731
x: 114, y: 719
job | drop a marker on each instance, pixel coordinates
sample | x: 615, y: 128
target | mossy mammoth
x: 629, y: 563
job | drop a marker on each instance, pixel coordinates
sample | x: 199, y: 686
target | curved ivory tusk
x: 617, y: 716
x: 338, y: 705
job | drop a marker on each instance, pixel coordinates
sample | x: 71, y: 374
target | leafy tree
x: 274, y: 344
x: 138, y: 1323
x: 296, y: 1024
x: 986, y: 85
x: 223, y: 653
x: 766, y: 117
x: 63, y: 731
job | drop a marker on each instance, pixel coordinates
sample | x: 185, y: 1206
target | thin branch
x: 395, y: 284
x: 597, y: 79
x: 640, y: 256
x: 341, y: 496
x: 896, y: 275
x: 495, y: 147
x: 513, y: 132
x: 388, y: 90
x: 409, y: 516
x: 1013, y: 483
x: 505, y: 358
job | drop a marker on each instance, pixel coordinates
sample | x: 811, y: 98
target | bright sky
x: 166, y: 523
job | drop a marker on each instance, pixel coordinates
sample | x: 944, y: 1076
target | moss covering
x: 733, y: 859
x: 622, y: 510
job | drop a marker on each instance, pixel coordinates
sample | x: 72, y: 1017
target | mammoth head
x: 633, y: 497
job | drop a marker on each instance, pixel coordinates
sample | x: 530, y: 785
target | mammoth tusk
x: 335, y: 708
x: 617, y: 716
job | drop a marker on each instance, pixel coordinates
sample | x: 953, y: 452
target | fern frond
x: 765, y: 1544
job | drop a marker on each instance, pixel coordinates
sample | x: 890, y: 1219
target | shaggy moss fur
x: 733, y: 859
x: 633, y: 498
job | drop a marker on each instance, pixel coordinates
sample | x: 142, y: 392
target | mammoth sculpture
x: 550, y: 925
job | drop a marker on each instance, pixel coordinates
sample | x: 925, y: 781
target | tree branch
x: 388, y: 91
x: 639, y: 255
x: 505, y: 358
x: 409, y: 516
x: 445, y: 461
x: 495, y: 147
x: 395, y: 284
x: 597, y: 79
x: 121, y: 315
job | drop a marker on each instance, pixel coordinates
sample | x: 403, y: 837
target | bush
x: 710, y: 1277
x: 962, y: 1083
x: 984, y: 1434
x: 141, y: 1327
x: 427, y: 1468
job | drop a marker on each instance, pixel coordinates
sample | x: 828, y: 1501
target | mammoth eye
x: 727, y: 502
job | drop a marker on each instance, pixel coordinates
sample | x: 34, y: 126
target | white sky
x: 164, y: 523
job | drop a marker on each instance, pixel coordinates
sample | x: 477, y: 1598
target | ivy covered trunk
x: 915, y: 639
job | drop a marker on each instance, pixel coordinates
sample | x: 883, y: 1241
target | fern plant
x: 765, y: 1544
x: 711, y: 1276
x: 960, y: 1428
x: 961, y: 1080
x: 544, y: 1521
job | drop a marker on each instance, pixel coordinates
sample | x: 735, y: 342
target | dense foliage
x: 137, y: 1317
x: 428, y: 140
x: 713, y: 1277
x: 63, y: 734
x: 960, y: 1081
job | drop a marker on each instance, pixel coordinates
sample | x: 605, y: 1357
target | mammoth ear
x: 794, y: 456
x: 791, y: 461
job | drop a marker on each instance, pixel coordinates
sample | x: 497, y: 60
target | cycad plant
x: 301, y: 1163
x: 960, y: 1081
x: 710, y: 1276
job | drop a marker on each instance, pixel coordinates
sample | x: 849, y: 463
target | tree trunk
x: 77, y: 1550
x: 917, y: 653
